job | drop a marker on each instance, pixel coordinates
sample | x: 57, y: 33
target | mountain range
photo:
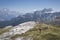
x: 43, y: 16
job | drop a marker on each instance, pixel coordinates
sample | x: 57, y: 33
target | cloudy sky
x: 29, y: 5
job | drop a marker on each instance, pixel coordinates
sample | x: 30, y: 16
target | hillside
x: 9, y: 31
x: 52, y: 33
x: 30, y: 31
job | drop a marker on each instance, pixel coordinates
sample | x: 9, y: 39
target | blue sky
x: 29, y: 5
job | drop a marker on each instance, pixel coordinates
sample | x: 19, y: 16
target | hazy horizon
x: 29, y: 5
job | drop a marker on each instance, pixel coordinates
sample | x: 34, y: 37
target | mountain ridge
x: 44, y: 16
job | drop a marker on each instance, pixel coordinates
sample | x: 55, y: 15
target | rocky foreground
x: 19, y: 29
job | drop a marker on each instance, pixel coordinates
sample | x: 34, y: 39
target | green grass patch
x: 3, y: 30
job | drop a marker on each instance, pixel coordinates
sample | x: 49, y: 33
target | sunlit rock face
x: 19, y: 29
x: 22, y: 28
